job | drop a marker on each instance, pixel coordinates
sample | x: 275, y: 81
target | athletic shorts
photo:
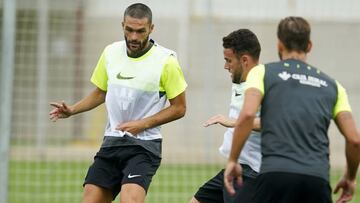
x: 115, y: 166
x: 214, y: 191
x: 281, y: 187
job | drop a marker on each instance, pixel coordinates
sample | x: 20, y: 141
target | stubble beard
x: 140, y: 48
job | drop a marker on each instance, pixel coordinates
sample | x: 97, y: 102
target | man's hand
x: 233, y: 172
x: 60, y: 110
x: 222, y: 120
x: 348, y: 189
x: 133, y: 127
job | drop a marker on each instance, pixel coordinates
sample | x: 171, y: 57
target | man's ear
x: 308, y: 49
x: 151, y: 28
x: 280, y: 46
x: 245, y: 60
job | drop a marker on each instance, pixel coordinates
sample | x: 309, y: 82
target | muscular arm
x: 346, y: 125
x: 61, y: 110
x: 175, y: 111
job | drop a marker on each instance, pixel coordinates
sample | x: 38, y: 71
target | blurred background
x: 49, y: 49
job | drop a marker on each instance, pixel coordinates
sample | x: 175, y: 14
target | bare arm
x: 229, y: 122
x: 242, y: 130
x: 346, y: 125
x: 61, y: 110
x: 175, y: 111
x: 257, y: 124
x: 220, y: 119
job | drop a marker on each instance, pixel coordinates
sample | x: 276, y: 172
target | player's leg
x: 96, y: 194
x: 132, y: 192
x: 282, y: 187
x: 315, y: 190
x: 103, y: 179
x: 193, y: 200
x: 276, y: 187
x: 211, y: 191
x: 137, y: 175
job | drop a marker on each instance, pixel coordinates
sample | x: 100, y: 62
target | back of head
x: 294, y: 33
x: 243, y: 41
x: 139, y: 11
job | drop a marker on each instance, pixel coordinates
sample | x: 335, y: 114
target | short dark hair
x: 139, y: 11
x: 243, y: 41
x: 294, y: 33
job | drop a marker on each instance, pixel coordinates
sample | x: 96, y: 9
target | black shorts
x: 214, y: 191
x: 281, y: 187
x: 115, y: 166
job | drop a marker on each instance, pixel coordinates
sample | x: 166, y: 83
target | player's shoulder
x: 116, y: 45
x: 273, y: 64
x: 163, y: 49
x: 258, y: 68
x: 318, y: 73
x: 115, y: 48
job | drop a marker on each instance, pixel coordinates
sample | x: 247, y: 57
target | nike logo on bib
x: 121, y: 77
x: 133, y: 176
x: 237, y: 94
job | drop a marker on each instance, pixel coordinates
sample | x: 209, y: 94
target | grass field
x: 61, y: 182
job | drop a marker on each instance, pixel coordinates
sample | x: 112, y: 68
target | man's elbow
x: 355, y: 142
x: 177, y: 112
x: 180, y: 111
x: 178, y: 106
x: 248, y: 115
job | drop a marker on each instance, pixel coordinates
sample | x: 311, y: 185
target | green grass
x: 62, y: 182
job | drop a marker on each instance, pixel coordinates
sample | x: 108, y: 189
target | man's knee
x: 132, y: 193
x: 194, y: 200
x: 96, y: 194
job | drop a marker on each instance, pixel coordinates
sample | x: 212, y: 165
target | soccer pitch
x: 61, y: 182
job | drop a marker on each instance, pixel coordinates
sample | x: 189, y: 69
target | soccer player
x: 298, y: 102
x: 241, y: 53
x: 134, y: 77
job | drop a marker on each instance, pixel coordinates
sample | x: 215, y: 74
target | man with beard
x: 298, y: 102
x: 241, y: 54
x: 134, y: 78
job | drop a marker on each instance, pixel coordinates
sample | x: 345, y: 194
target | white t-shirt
x: 251, y: 153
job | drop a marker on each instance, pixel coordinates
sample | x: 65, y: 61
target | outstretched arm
x: 220, y: 119
x: 229, y: 122
x: 346, y: 124
x: 175, y: 111
x: 62, y: 110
